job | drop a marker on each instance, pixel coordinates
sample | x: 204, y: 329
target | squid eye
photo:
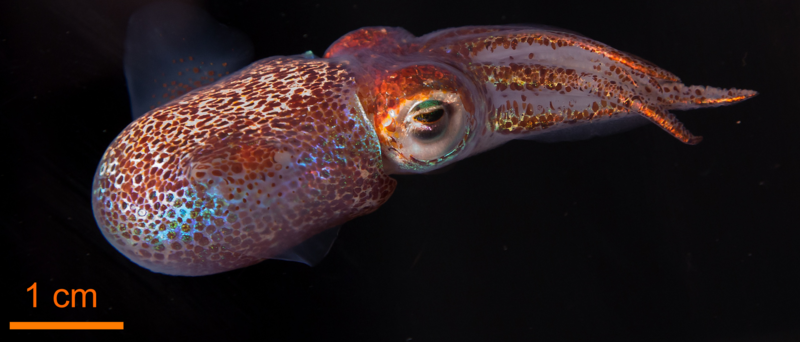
x: 429, y: 120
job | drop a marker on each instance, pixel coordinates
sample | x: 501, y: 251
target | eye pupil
x: 429, y: 111
x: 430, y: 117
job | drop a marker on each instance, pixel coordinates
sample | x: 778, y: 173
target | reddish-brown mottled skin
x: 256, y: 167
x: 248, y: 167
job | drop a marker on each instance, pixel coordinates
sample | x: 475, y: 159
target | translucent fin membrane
x: 313, y: 250
x: 174, y: 48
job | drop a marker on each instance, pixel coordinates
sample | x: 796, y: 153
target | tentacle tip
x: 694, y: 140
x: 743, y: 94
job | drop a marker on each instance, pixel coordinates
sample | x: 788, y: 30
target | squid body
x: 228, y: 168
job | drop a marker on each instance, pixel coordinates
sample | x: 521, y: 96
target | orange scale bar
x: 66, y: 325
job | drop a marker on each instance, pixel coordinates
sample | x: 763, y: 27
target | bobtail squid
x: 228, y: 168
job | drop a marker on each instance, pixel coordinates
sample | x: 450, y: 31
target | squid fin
x: 173, y: 48
x: 313, y: 250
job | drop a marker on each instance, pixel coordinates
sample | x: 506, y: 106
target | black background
x: 630, y: 237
